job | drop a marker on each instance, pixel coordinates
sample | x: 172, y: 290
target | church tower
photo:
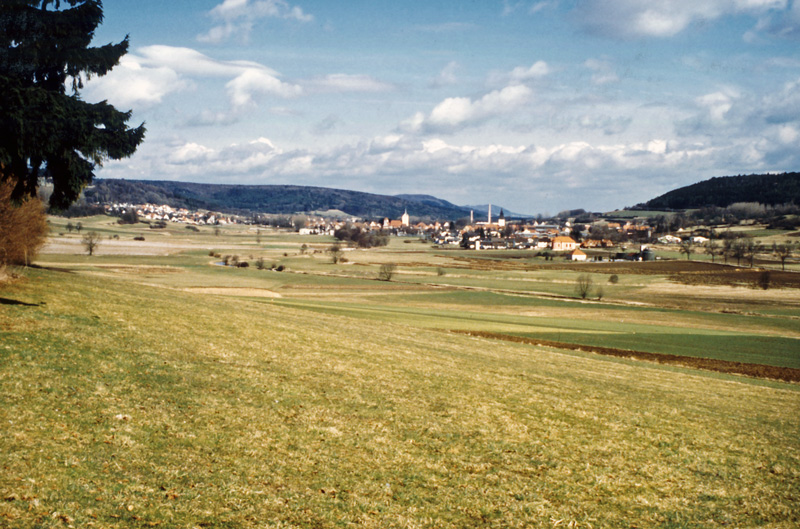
x: 501, y: 220
x: 404, y: 220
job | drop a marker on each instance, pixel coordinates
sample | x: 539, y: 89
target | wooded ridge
x: 275, y: 199
x: 767, y: 189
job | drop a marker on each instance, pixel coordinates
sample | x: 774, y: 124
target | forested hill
x: 276, y: 199
x: 767, y: 189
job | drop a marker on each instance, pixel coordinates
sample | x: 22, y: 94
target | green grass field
x: 151, y: 388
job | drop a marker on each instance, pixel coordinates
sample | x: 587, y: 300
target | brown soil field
x: 689, y: 272
x: 787, y: 374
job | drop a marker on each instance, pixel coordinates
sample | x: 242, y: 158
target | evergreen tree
x: 45, y: 127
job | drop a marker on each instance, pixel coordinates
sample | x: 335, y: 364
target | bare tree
x: 687, y: 247
x: 583, y: 285
x: 712, y: 249
x: 336, y: 252
x: 783, y: 251
x: 727, y: 249
x: 738, y: 250
x: 91, y: 241
x: 387, y: 271
x: 751, y: 248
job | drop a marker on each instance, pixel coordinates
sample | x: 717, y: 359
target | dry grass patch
x: 234, y: 291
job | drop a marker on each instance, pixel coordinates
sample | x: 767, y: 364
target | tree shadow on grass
x: 7, y: 301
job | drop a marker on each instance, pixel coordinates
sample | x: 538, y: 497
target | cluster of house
x: 492, y: 233
x: 674, y: 239
x: 489, y: 234
x: 154, y: 212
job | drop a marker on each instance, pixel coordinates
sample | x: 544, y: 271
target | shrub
x: 23, y: 228
x: 583, y: 285
x: 614, y: 279
x: 387, y: 271
x: 91, y: 241
x: 128, y: 216
x: 138, y: 238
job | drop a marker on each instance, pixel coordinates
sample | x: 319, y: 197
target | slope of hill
x: 483, y: 210
x: 768, y: 189
x: 276, y: 199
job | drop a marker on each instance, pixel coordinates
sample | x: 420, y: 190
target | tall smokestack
x: 490, y: 213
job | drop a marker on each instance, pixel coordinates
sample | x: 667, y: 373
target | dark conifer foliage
x: 46, y: 129
x: 721, y: 192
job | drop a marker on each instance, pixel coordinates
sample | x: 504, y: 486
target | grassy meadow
x: 148, y: 386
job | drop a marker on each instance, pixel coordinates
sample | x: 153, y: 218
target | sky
x: 537, y: 106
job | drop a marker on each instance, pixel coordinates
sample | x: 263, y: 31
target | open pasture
x: 667, y: 307
x: 165, y: 390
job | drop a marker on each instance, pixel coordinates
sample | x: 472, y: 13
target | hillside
x: 768, y: 189
x: 275, y: 199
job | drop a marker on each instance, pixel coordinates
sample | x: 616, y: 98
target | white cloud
x: 146, y: 77
x: 645, y: 18
x: 599, y: 174
x: 448, y: 76
x: 237, y: 17
x: 457, y: 112
x: 536, y: 70
x: 340, y: 82
x: 252, y: 84
x: 520, y: 74
x: 783, y: 106
x: 602, y: 71
x: 190, y: 153
x: 130, y: 84
x: 192, y: 62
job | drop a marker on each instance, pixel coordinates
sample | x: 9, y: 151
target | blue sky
x: 538, y: 106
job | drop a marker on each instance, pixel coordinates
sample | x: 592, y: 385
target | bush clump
x: 23, y: 228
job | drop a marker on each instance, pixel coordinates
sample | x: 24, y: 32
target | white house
x: 577, y: 255
x: 669, y: 239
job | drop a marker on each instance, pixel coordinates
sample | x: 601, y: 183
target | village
x: 564, y: 237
